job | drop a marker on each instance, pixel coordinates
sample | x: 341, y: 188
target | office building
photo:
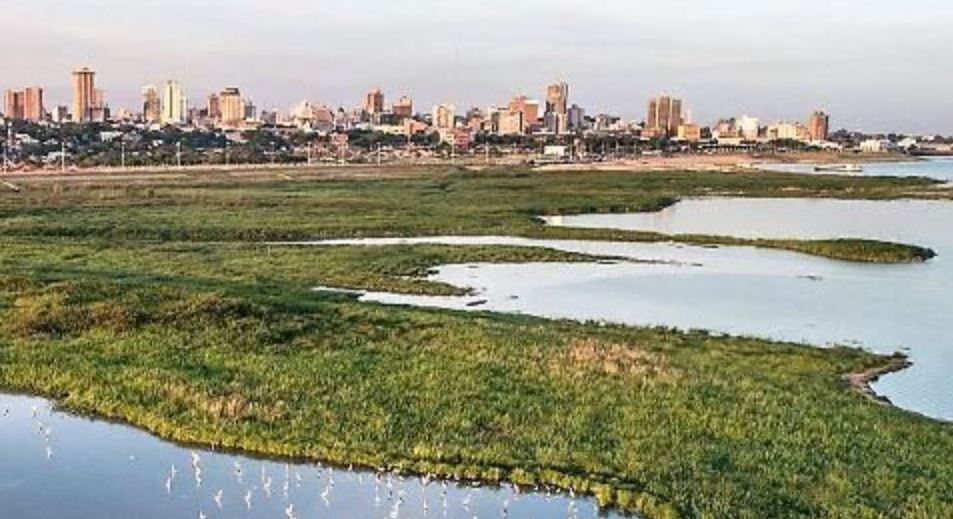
x: 528, y: 108
x: 444, y: 117
x: 232, y: 108
x: 819, y: 126
x: 557, y: 98
x: 577, y: 119
x: 214, y: 107
x: 151, y: 104
x: 403, y: 108
x: 13, y: 104
x: 174, y: 105
x: 664, y: 117
x: 374, y: 102
x: 84, y: 95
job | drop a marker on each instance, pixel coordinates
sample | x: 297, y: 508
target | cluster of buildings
x: 666, y: 118
x: 168, y: 105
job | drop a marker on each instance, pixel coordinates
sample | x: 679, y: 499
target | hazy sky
x: 874, y: 64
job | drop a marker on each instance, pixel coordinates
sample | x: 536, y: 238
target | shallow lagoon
x: 55, y: 465
x: 742, y: 290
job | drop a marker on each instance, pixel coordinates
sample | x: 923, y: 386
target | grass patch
x: 159, y: 305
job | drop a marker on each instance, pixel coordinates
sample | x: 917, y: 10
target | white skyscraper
x: 174, y: 104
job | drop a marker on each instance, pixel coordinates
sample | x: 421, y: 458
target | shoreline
x: 626, y: 498
x: 862, y: 382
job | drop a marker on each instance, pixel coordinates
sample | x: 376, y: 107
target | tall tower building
x: 528, y: 108
x: 664, y: 116
x: 13, y: 104
x: 174, y: 106
x: 444, y: 117
x: 818, y: 126
x: 232, y: 107
x: 84, y: 95
x: 33, y: 109
x: 214, y: 107
x: 557, y: 99
x: 151, y: 104
x: 374, y: 102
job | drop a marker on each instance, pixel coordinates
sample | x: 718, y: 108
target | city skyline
x: 757, y: 63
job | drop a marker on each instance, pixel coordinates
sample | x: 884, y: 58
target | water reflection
x: 57, y: 465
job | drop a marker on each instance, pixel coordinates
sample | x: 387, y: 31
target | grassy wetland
x: 160, y: 304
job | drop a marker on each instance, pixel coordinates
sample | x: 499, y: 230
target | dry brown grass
x: 589, y: 356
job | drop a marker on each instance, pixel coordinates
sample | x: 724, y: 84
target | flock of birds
x: 391, y: 494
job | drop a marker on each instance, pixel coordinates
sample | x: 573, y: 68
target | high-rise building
x: 404, y: 107
x: 174, y: 104
x: 557, y: 98
x: 664, y: 117
x: 819, y: 126
x: 577, y: 118
x: 444, y: 117
x: 232, y: 107
x: 33, y: 109
x: 84, y: 95
x: 749, y: 128
x: 214, y: 107
x: 529, y: 110
x: 13, y: 104
x: 510, y: 122
x: 99, y: 112
x: 151, y: 104
x: 374, y: 102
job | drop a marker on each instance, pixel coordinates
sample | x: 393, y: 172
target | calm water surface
x: 747, y: 291
x: 938, y: 168
x: 53, y: 465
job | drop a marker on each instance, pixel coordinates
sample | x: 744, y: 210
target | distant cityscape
x: 520, y: 124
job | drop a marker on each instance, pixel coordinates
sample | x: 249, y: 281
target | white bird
x: 267, y: 487
x: 202, y: 515
x: 49, y: 453
x: 290, y: 511
x: 218, y: 498
x: 168, y: 485
x: 248, y: 499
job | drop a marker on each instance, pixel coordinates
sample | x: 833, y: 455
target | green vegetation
x: 148, y: 304
x: 215, y: 207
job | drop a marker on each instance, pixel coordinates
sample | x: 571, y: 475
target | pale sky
x: 873, y: 64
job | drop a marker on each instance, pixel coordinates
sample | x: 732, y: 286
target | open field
x: 160, y: 304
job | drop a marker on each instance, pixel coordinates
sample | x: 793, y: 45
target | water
x: 937, y: 168
x: 55, y: 465
x: 743, y: 290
